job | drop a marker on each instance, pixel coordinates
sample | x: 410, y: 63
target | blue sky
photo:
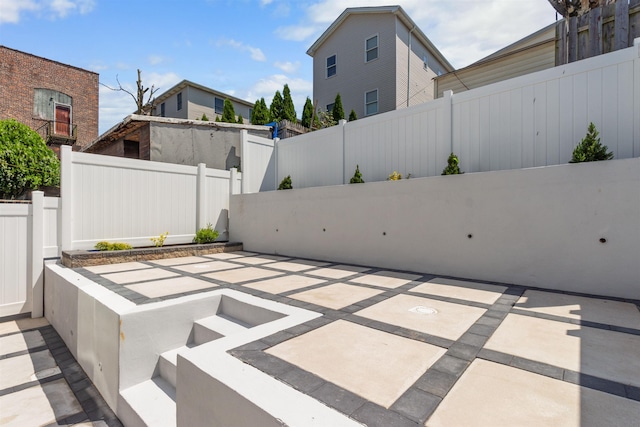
x: 246, y: 48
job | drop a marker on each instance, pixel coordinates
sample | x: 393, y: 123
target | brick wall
x: 21, y: 73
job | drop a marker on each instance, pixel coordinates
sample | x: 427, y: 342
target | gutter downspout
x: 409, y: 67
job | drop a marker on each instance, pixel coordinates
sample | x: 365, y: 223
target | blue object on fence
x: 274, y: 126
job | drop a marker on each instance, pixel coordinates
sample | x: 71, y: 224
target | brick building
x: 58, y: 101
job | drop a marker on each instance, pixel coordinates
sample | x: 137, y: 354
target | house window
x: 371, y: 48
x: 371, y: 102
x: 331, y: 66
x: 330, y: 107
x: 179, y: 101
x: 162, y: 110
x: 218, y: 105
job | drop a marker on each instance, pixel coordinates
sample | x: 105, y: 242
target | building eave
x: 186, y: 83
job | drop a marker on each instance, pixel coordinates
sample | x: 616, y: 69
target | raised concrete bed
x: 83, y: 258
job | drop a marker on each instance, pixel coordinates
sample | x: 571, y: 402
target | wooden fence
x: 602, y: 30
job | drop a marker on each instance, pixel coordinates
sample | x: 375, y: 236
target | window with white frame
x: 162, y: 110
x: 331, y: 66
x: 371, y: 48
x: 179, y: 106
x: 371, y: 102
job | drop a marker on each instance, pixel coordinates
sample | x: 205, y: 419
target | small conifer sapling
x: 590, y: 149
x: 357, y: 177
x: 453, y: 166
x: 285, y: 184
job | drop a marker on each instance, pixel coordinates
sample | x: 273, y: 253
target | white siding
x: 354, y: 76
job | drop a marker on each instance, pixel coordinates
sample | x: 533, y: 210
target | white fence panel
x: 217, y: 199
x: 538, y: 119
x: 258, y: 163
x: 528, y: 121
x: 14, y: 257
x: 411, y: 141
x: 126, y: 200
x: 313, y: 159
x: 51, y: 227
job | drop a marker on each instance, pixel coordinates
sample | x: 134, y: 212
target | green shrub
x: 285, y: 184
x: 353, y: 116
x: 204, y: 118
x: 159, y: 241
x: 357, y: 177
x: 26, y: 163
x: 453, y: 166
x: 106, y: 246
x: 590, y: 149
x: 206, y: 235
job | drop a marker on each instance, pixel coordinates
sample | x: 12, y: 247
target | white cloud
x: 155, y: 59
x: 287, y: 67
x: 256, y: 53
x: 10, y: 10
x: 116, y: 105
x: 265, y: 2
x: 464, y: 30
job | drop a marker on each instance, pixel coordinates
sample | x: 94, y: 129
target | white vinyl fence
x: 131, y: 201
x: 27, y: 236
x: 105, y: 198
x: 532, y: 120
x: 258, y: 163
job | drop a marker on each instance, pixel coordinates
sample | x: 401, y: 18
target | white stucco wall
x: 536, y: 227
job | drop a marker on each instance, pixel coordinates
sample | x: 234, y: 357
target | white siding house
x: 377, y: 59
x: 188, y: 100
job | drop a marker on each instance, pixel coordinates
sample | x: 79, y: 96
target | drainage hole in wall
x: 603, y: 240
x: 276, y: 230
x: 324, y: 229
x: 469, y: 236
x: 384, y: 233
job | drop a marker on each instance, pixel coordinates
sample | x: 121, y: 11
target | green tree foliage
x: 285, y: 184
x: 357, y: 177
x: 260, y: 114
x: 228, y: 113
x: 277, y: 107
x: 324, y: 119
x: 338, y: 111
x: 353, y: 116
x: 590, y: 149
x: 240, y: 119
x: 307, y: 113
x: 26, y: 163
x: 453, y: 167
x: 204, y: 118
x: 289, y: 111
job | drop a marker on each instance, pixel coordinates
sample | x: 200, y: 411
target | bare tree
x: 568, y: 8
x: 143, y: 107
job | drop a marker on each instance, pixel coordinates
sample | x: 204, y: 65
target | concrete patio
x: 392, y: 348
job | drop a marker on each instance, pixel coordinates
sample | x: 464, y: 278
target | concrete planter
x: 83, y: 258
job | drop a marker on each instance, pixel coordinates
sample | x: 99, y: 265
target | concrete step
x: 151, y: 403
x: 214, y: 327
x: 167, y: 365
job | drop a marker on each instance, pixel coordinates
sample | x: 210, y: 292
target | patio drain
x: 423, y: 310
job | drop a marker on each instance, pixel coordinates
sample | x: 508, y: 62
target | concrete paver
x: 490, y: 394
x: 375, y: 365
x: 464, y: 290
x: 599, y: 352
x: 448, y: 320
x: 38, y: 377
x: 337, y: 295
